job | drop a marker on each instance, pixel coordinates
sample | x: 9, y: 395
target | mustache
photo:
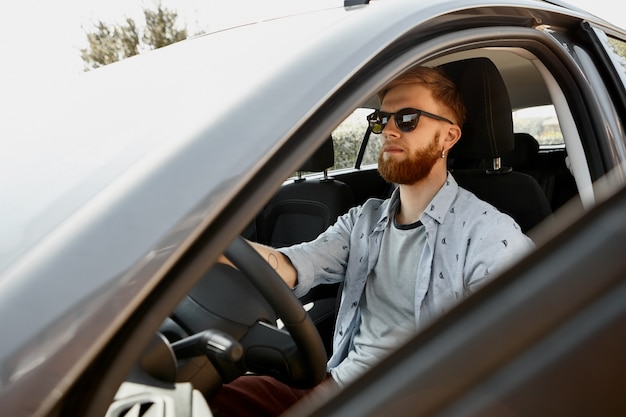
x: 392, y: 144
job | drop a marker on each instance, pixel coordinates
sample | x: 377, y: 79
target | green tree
x: 160, y: 28
x: 111, y: 43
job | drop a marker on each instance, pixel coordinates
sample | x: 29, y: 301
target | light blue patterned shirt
x: 467, y: 242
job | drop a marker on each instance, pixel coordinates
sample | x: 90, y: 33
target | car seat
x: 304, y: 208
x: 525, y: 155
x: 299, y: 212
x: 476, y: 160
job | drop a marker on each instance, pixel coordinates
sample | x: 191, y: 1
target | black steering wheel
x: 236, y: 309
x: 311, y: 367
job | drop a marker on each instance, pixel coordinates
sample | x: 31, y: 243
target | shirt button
x: 354, y: 304
x: 340, y: 332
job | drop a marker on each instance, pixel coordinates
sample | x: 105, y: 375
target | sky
x: 40, y: 41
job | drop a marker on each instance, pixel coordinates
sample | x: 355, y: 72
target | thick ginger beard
x: 412, y: 169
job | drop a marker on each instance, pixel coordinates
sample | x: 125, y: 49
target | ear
x: 452, y: 137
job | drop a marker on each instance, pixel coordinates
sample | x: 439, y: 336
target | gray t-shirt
x: 387, y: 304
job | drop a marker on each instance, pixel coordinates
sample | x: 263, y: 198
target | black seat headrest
x: 526, y: 153
x: 322, y: 159
x: 488, y: 130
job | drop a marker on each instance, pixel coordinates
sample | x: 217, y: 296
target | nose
x: 390, y: 129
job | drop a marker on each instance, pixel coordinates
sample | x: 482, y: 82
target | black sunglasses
x: 406, y: 119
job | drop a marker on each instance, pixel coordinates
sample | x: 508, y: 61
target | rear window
x: 540, y: 122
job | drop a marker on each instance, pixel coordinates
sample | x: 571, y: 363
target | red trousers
x: 263, y: 396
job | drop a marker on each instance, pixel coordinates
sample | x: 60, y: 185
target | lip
x: 392, y: 149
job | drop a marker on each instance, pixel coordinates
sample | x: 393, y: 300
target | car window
x: 616, y: 49
x: 347, y: 138
x: 619, y: 49
x: 540, y: 122
x: 349, y: 135
x: 370, y: 157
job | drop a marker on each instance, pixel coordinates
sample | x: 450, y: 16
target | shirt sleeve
x: 497, y: 245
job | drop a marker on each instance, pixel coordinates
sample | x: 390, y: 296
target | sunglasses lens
x: 377, y: 122
x: 407, y: 119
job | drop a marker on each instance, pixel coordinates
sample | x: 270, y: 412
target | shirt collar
x: 439, y: 206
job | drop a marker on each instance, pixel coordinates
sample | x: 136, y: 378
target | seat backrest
x: 304, y: 208
x: 476, y: 160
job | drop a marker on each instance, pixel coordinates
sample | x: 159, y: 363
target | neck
x: 414, y: 198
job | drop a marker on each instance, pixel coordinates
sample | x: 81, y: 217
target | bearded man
x: 404, y: 260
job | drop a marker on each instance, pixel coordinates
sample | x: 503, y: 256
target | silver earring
x: 443, y: 153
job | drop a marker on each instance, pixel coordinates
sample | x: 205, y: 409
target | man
x: 404, y: 260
